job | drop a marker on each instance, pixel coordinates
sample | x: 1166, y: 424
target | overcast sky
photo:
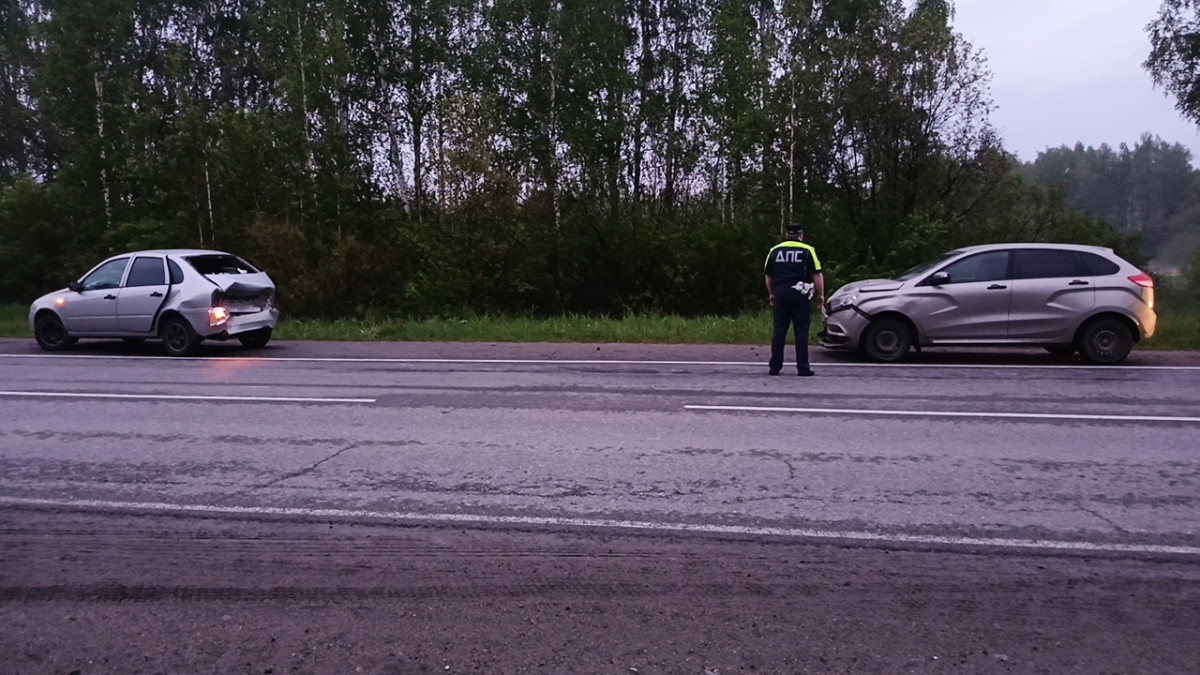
x: 1070, y: 70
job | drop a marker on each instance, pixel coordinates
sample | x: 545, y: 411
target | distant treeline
x: 1149, y: 190
x: 442, y: 157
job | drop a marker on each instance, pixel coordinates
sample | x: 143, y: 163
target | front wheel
x: 1105, y: 341
x: 887, y: 340
x: 255, y: 339
x: 51, y: 334
x: 178, y: 337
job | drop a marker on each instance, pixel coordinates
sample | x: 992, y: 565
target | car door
x: 141, y: 296
x: 966, y: 300
x: 93, y: 309
x: 1052, y: 291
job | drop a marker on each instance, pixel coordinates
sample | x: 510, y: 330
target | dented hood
x: 869, y: 285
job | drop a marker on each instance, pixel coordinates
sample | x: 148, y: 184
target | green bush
x: 1191, y: 274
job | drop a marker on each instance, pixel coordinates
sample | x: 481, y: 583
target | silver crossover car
x: 1061, y: 297
x: 179, y: 296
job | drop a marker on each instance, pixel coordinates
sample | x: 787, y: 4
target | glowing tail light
x: 1147, y: 283
x: 1142, y: 279
x: 217, y: 316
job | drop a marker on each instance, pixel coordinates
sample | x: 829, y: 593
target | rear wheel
x: 178, y: 338
x: 1105, y: 341
x: 51, y: 334
x: 255, y: 339
x: 887, y: 340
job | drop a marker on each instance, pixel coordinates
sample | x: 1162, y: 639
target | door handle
x: 156, y: 294
x: 1078, y: 282
x: 110, y: 296
x: 997, y: 287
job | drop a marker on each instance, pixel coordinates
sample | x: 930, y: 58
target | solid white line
x: 588, y: 362
x: 942, y: 413
x: 169, y: 397
x: 461, y: 518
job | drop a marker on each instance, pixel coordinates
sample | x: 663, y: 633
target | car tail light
x: 217, y: 316
x: 1142, y: 279
x: 1147, y: 283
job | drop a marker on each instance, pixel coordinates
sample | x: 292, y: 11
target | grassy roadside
x: 1178, y: 329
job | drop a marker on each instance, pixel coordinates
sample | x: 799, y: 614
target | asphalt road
x: 332, y: 507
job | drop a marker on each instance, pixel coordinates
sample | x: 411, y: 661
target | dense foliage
x: 437, y: 157
x: 1174, y: 60
x: 1150, y: 191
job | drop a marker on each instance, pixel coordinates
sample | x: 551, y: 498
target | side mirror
x: 75, y: 286
x: 938, y: 279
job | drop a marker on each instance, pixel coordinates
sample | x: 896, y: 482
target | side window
x: 1047, y: 264
x: 990, y: 266
x: 107, y: 275
x: 176, y: 271
x: 1098, y: 266
x: 147, y: 272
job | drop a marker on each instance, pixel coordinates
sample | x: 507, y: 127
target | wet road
x: 1013, y: 499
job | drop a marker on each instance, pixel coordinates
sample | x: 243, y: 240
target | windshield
x: 926, y: 266
x: 218, y: 263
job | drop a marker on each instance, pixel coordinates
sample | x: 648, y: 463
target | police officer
x: 793, y: 274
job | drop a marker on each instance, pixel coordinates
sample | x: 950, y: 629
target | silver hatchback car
x: 180, y: 296
x: 1061, y: 297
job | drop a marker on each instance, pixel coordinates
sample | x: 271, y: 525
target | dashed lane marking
x: 182, y: 397
x: 945, y: 413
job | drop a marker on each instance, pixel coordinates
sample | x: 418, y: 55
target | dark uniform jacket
x: 793, y: 264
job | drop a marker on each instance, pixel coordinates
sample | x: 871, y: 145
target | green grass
x: 1178, y: 328
x: 641, y: 329
x: 14, y: 321
x: 1178, y: 322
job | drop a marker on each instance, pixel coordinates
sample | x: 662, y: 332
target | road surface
x: 366, y: 507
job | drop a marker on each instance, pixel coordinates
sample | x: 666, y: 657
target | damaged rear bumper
x: 244, y: 323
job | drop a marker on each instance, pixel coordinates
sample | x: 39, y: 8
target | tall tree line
x: 1149, y: 190
x: 512, y: 156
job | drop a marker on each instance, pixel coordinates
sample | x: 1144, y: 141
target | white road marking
x: 169, y: 397
x: 589, y: 362
x: 946, y: 413
x: 470, y: 519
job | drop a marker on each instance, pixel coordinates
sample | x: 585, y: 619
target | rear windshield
x: 220, y: 264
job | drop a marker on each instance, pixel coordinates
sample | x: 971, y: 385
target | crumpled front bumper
x: 843, y: 328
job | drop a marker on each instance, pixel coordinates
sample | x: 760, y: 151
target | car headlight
x: 838, y: 302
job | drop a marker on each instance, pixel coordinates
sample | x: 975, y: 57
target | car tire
x: 51, y: 334
x: 887, y: 340
x: 1105, y: 341
x: 178, y: 338
x: 255, y: 339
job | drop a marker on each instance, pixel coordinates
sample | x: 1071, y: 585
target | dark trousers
x: 791, y: 308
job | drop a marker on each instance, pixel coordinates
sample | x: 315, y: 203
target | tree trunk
x: 105, y: 189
